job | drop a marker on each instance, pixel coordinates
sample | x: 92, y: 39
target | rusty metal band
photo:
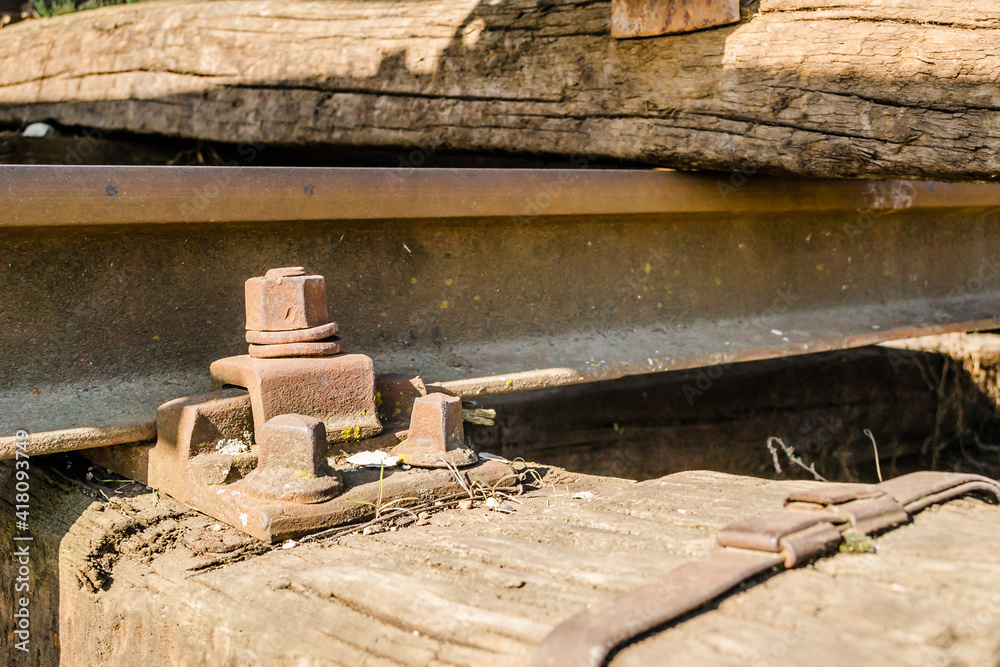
x: 809, y: 526
x: 122, y: 284
x: 646, y: 18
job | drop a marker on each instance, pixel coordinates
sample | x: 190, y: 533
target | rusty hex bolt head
x: 285, y: 299
x: 293, y: 441
x: 291, y: 462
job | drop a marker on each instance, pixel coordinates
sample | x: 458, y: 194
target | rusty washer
x: 293, y: 336
x: 319, y: 348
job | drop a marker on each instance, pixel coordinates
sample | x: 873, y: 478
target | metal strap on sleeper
x: 811, y: 523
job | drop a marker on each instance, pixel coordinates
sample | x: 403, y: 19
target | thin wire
x: 878, y: 468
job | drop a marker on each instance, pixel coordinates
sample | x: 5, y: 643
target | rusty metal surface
x: 911, y: 488
x: 291, y: 463
x: 294, y: 336
x: 872, y: 514
x: 833, y: 493
x: 204, y: 438
x: 436, y: 436
x: 200, y: 423
x: 809, y: 543
x: 287, y: 316
x: 285, y: 299
x: 190, y: 482
x: 338, y: 390
x: 279, y: 481
x: 41, y: 196
x: 480, y: 281
x: 765, y: 532
x: 648, y: 18
x: 317, y: 348
x: 919, y: 490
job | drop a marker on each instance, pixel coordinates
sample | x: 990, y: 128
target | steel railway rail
x: 121, y: 284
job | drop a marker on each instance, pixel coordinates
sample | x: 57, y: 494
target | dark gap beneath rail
x: 927, y: 410
x: 70, y: 145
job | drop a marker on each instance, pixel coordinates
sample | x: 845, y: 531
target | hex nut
x: 282, y: 302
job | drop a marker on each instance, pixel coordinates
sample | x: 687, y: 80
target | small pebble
x: 289, y: 544
x: 465, y: 504
x: 40, y: 130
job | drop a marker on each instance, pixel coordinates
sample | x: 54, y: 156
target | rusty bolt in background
x: 436, y: 434
x: 291, y: 462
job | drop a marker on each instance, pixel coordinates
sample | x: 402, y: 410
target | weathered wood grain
x: 848, y: 88
x: 141, y: 581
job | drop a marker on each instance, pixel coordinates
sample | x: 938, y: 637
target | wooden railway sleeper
x: 810, y: 524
